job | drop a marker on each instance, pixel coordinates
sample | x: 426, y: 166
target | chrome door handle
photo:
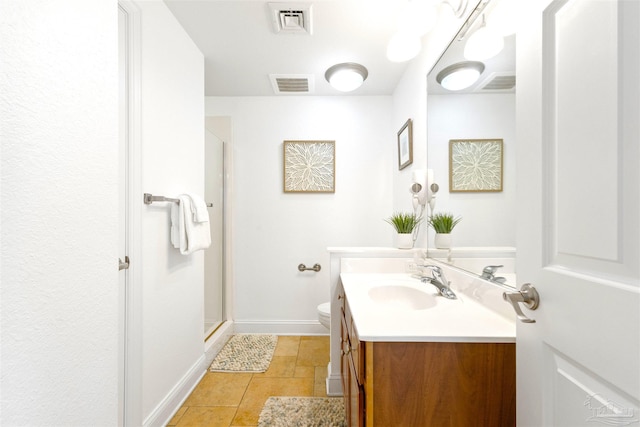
x: 123, y: 265
x: 528, y: 296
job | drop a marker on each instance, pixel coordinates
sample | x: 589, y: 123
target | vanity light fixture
x: 483, y: 44
x: 347, y: 76
x: 415, y: 20
x: 501, y: 18
x: 418, y: 17
x: 460, y: 75
x: 403, y: 46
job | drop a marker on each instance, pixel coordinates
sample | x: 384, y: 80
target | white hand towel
x: 178, y: 236
x: 196, y: 235
x: 199, y: 208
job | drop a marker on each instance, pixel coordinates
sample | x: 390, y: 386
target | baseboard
x: 216, y: 341
x: 280, y: 327
x: 163, y: 413
x: 334, y: 385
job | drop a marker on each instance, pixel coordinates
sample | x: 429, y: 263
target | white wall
x: 172, y: 129
x: 488, y: 219
x: 272, y: 231
x: 59, y: 132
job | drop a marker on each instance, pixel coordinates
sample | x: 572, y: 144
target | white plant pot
x: 443, y: 241
x: 404, y: 240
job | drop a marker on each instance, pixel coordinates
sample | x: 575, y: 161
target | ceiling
x: 241, y: 47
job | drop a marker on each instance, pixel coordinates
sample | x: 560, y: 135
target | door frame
x: 130, y: 393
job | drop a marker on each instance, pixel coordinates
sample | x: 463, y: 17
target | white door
x: 578, y: 115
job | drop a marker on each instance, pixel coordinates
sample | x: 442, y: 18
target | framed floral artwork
x: 475, y: 165
x: 405, y: 145
x: 309, y: 166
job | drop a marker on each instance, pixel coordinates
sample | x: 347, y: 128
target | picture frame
x: 309, y: 166
x: 475, y: 165
x: 405, y: 145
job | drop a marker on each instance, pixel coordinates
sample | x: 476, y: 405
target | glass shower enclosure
x: 214, y: 312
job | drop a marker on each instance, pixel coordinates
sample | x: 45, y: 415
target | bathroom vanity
x: 410, y: 357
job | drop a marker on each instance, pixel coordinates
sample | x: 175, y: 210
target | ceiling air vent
x: 498, y: 82
x: 294, y: 84
x: 291, y: 18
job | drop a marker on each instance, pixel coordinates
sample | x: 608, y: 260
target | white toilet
x: 324, y: 314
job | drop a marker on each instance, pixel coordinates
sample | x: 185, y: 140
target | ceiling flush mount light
x: 483, y: 44
x: 460, y: 75
x: 347, y: 76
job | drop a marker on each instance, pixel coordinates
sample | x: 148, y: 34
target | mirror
x: 484, y: 111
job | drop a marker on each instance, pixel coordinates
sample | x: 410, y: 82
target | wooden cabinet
x: 426, y: 383
x: 352, y: 361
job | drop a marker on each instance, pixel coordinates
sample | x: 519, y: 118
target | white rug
x: 303, y: 412
x: 245, y: 353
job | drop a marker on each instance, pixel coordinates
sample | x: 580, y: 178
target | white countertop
x: 432, y: 318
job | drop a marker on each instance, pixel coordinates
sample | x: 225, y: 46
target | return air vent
x: 291, y: 18
x: 294, y: 84
x: 498, y: 82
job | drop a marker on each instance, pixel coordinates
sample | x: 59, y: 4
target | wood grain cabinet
x: 416, y: 384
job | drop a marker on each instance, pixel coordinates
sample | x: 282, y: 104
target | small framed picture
x: 405, y: 145
x: 475, y: 165
x: 309, y: 166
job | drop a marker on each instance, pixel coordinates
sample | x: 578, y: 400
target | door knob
x: 123, y: 265
x: 528, y: 296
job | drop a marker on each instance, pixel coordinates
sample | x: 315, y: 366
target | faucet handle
x: 434, y: 268
x: 491, y: 268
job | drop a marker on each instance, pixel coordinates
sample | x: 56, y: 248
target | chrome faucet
x: 488, y: 273
x: 438, y: 280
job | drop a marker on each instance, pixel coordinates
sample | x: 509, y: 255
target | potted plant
x: 404, y: 223
x: 443, y: 224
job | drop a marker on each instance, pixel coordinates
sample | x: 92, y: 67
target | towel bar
x: 150, y: 198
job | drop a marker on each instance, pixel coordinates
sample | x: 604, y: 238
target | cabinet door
x: 356, y: 348
x: 353, y: 391
x: 345, y: 372
x: 355, y: 412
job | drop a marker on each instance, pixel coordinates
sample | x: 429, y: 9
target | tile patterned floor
x: 221, y: 399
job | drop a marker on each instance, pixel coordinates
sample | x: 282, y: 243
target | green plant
x: 443, y: 222
x: 404, y: 222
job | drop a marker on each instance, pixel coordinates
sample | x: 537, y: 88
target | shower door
x: 214, y: 313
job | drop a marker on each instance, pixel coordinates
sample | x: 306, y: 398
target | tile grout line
x: 244, y: 393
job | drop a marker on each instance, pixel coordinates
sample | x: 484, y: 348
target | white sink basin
x: 401, y: 297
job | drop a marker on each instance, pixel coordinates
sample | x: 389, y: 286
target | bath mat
x: 303, y: 412
x: 245, y: 353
